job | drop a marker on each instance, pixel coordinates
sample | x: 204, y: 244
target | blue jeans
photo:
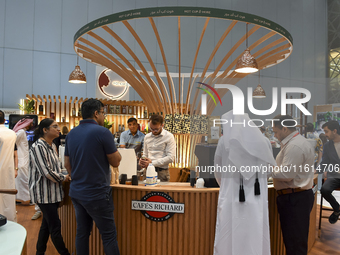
x: 101, y: 212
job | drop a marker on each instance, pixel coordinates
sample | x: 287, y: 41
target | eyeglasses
x: 155, y: 130
x: 102, y: 112
x: 55, y: 126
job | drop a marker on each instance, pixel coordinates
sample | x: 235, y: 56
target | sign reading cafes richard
x: 157, y: 206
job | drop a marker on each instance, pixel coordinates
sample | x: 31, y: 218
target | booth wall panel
x: 320, y: 38
x: 2, y: 88
x: 296, y: 30
x: 17, y: 74
x: 2, y: 23
x: 309, y: 54
x: 50, y: 11
x: 19, y: 24
x: 46, y: 80
x: 74, y: 16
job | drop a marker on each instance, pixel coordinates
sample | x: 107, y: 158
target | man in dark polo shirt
x: 89, y: 150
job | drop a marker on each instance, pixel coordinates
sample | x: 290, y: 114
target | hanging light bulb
x: 77, y: 75
x: 259, y: 91
x: 246, y: 63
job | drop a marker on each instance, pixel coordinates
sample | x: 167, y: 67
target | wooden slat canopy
x: 99, y: 42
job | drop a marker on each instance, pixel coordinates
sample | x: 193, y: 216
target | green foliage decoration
x: 28, y: 106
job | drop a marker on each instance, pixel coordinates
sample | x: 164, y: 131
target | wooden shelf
x: 63, y: 109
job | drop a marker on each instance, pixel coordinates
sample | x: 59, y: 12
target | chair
x: 323, y: 208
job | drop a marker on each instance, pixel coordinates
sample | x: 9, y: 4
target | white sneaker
x: 37, y: 215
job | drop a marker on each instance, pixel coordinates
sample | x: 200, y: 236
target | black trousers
x: 294, y: 210
x: 50, y: 225
x: 326, y: 190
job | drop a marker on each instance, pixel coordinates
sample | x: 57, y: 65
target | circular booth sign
x: 110, y: 87
x: 157, y: 206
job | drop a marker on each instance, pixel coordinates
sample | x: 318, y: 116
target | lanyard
x: 289, y: 140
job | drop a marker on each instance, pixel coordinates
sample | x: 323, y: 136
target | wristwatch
x: 16, y: 168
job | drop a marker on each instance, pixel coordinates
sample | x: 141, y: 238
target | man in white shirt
x: 159, y: 148
x: 7, y: 173
x: 293, y: 180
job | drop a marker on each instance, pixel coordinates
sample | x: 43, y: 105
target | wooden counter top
x: 165, y: 188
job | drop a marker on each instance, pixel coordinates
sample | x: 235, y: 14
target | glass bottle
x: 145, y: 116
x: 112, y: 109
x: 130, y: 109
x: 41, y: 109
x: 118, y: 111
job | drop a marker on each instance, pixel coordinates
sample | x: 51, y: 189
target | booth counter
x: 188, y: 233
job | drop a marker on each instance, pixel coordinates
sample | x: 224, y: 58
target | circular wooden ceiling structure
x: 99, y: 43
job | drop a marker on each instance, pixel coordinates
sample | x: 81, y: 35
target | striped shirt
x: 45, y: 177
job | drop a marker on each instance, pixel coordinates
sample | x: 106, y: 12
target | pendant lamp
x: 259, y: 91
x: 246, y: 63
x: 77, y: 75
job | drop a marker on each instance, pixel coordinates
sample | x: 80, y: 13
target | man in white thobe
x: 242, y: 227
x: 7, y: 173
x: 21, y: 182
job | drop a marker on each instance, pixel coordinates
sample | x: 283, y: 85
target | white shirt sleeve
x: 145, y: 149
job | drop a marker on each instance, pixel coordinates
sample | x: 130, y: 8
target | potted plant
x: 28, y: 106
x: 107, y: 124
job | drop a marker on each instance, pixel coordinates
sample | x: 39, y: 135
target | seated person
x: 132, y: 138
x: 330, y: 156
